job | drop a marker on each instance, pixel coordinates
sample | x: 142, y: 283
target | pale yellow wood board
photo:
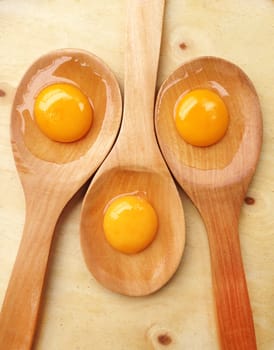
x: 78, y: 313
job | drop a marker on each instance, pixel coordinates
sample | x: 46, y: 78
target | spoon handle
x: 143, y: 41
x: 20, y: 308
x: 220, y: 211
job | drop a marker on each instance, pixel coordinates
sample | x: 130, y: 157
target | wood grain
x: 50, y: 181
x: 216, y: 178
x: 77, y: 311
x: 135, y: 165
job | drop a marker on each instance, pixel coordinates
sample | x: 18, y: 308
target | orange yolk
x: 201, y: 117
x: 63, y: 113
x: 130, y: 224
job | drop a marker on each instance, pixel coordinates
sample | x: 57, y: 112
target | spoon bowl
x: 51, y: 173
x: 95, y: 80
x: 216, y: 178
x: 147, y: 271
x: 135, y: 165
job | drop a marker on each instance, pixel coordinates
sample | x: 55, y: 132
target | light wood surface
x: 77, y: 311
x: 216, y: 179
x: 135, y: 166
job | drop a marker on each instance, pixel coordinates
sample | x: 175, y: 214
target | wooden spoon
x: 216, y: 178
x: 135, y: 165
x: 51, y: 173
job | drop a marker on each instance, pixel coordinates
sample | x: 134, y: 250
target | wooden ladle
x: 216, y: 178
x: 51, y: 173
x: 135, y: 164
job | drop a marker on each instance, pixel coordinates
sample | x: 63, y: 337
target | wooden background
x: 78, y: 313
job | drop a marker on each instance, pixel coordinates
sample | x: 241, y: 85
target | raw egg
x: 63, y: 113
x: 201, y: 117
x: 130, y: 223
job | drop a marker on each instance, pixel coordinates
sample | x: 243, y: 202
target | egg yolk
x: 63, y: 113
x: 201, y: 117
x: 130, y: 224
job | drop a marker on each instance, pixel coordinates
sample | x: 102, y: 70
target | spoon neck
x: 144, y: 30
x: 220, y: 207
